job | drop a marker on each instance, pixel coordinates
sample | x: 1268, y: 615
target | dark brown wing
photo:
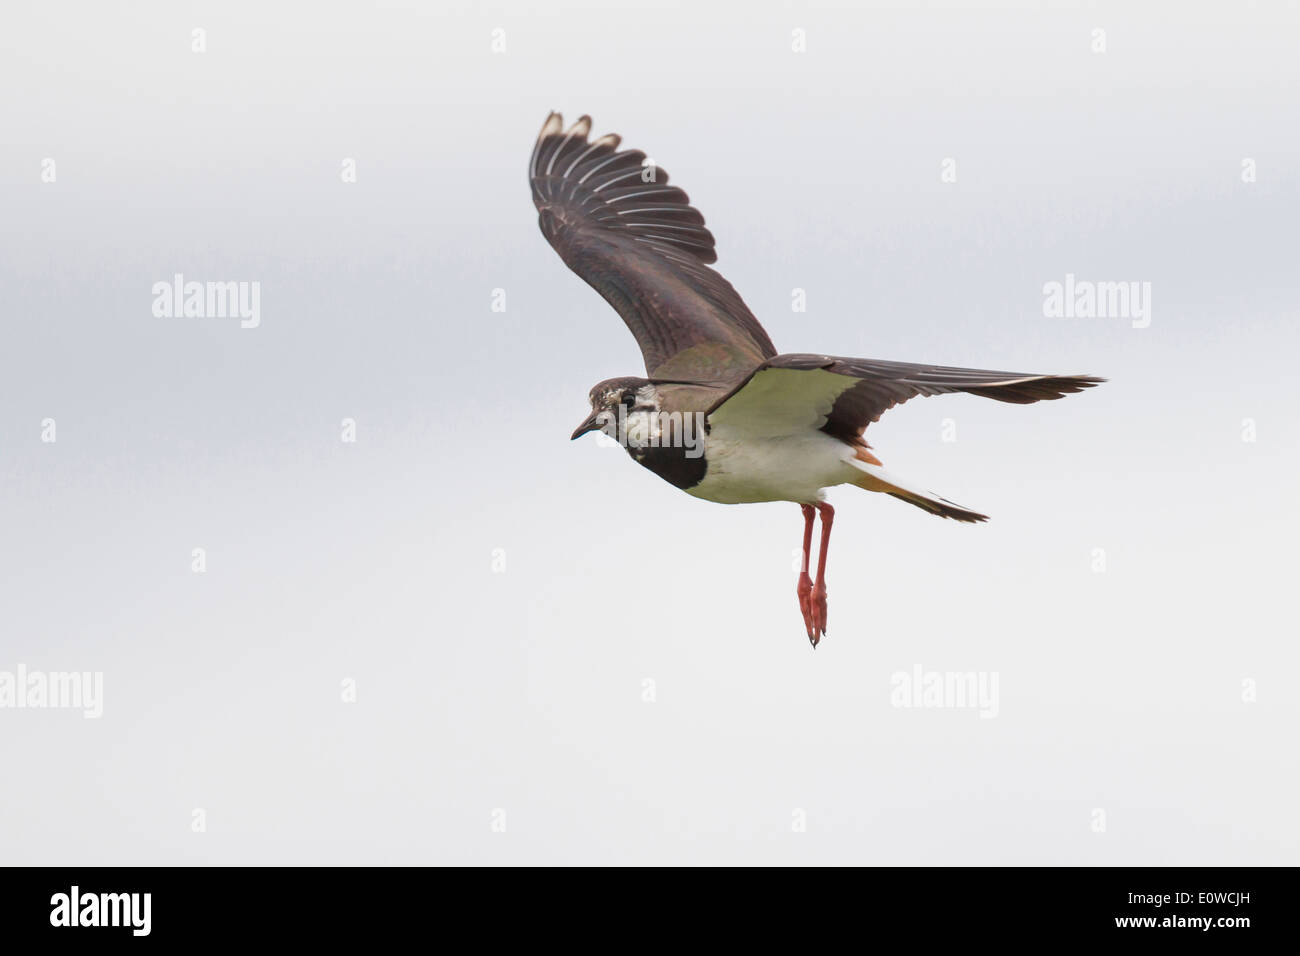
x: 640, y: 244
x: 842, y: 396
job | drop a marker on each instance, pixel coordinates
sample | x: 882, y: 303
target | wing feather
x: 639, y: 242
x: 842, y: 396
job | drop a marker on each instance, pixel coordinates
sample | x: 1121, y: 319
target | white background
x: 1120, y: 690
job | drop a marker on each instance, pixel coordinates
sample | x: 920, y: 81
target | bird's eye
x: 629, y: 399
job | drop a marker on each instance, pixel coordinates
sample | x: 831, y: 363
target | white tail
x: 875, y: 478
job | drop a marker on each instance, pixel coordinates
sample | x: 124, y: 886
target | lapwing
x: 721, y: 414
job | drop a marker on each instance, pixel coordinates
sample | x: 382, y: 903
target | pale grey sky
x: 523, y: 690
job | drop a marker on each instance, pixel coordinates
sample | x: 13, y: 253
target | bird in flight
x: 721, y: 414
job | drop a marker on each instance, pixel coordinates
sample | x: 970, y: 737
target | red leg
x: 818, y: 596
x: 805, y: 582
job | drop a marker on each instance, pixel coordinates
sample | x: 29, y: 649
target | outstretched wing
x: 638, y: 242
x: 842, y: 396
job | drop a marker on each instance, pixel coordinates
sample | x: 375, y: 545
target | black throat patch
x: 672, y: 464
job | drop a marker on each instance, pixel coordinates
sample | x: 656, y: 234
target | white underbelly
x: 786, y: 468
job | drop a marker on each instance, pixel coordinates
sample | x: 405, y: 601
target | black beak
x: 590, y: 425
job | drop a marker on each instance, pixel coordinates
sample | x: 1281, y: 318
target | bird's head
x: 618, y: 402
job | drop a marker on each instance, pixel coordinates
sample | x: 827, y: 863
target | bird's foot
x: 806, y: 606
x: 817, y: 605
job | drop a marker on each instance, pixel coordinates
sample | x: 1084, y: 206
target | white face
x: 641, y: 428
x: 647, y: 399
x: 636, y: 414
x: 644, y: 399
